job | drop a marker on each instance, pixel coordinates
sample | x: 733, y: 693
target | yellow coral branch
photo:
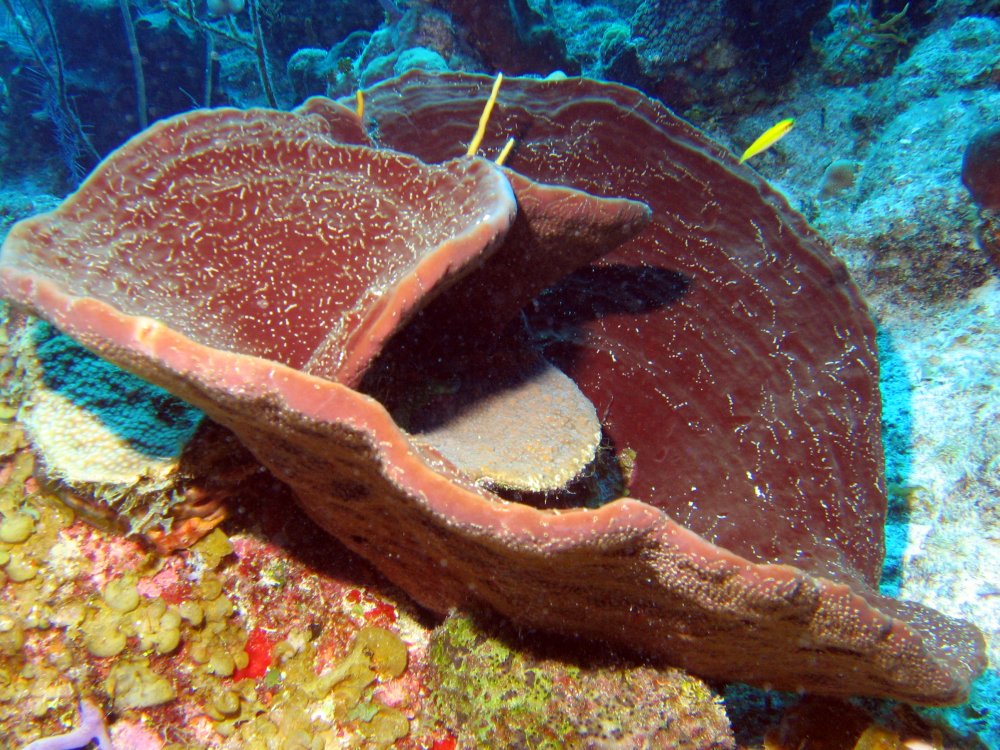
x: 477, y: 139
x: 505, y: 152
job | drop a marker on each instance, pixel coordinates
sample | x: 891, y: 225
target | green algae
x: 134, y: 684
x: 313, y: 709
x: 381, y: 650
x: 485, y: 687
x: 491, y: 690
x: 84, y: 626
x: 213, y: 548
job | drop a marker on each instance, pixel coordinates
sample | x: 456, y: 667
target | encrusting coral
x: 264, y: 266
x: 120, y: 451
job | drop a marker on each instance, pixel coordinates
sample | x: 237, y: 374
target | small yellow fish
x: 768, y: 138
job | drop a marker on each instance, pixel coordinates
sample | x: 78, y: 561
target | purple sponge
x: 981, y: 168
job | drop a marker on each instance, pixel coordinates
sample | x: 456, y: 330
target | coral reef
x: 165, y: 647
x: 908, y: 228
x: 887, y: 101
x: 668, y: 35
x: 934, y: 296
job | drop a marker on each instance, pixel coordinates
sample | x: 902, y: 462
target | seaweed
x: 30, y: 29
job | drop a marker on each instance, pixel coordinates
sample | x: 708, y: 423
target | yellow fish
x: 768, y: 138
